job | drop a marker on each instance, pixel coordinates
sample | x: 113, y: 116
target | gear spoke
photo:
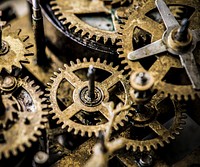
x: 166, y: 14
x: 147, y: 51
x: 158, y: 128
x: 112, y: 80
x: 188, y: 62
x: 70, y: 111
x: 72, y: 78
x: 105, y: 112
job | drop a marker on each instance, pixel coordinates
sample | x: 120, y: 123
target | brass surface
x: 154, y: 30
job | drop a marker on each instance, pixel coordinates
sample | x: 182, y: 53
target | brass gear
x: 103, y: 89
x: 145, y: 29
x: 15, y: 49
x: 29, y: 121
x: 67, y: 11
x: 154, y: 119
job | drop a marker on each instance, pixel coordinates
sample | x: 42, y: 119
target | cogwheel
x: 30, y: 118
x: 68, y: 12
x: 79, y: 116
x: 15, y: 49
x: 161, y: 122
x: 145, y: 26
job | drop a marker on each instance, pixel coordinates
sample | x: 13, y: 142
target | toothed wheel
x: 15, y: 49
x: 73, y: 111
x: 29, y: 118
x: 160, y: 121
x: 95, y: 22
x: 145, y: 26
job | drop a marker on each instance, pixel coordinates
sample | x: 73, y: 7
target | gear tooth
x: 78, y: 61
x: 71, y: 26
x: 113, y: 40
x: 76, y: 131
x: 69, y: 129
x: 134, y: 148
x: 61, y: 17
x: 91, y: 59
x: 98, y: 60
x: 105, y: 40
x: 72, y: 63
x: 48, y: 84
x: 98, y: 38
x: 63, y: 126
x: 65, y: 22
x: 116, y: 127
x: 121, y: 124
x: 127, y: 147
x: 89, y: 134
x: 14, y: 152
x: 56, y: 12
x: 6, y: 154
x: 84, y: 59
x: 60, y: 69
x: 28, y: 144
x: 52, y: 78
x: 33, y: 138
x: 105, y: 61
x: 167, y: 141
x: 66, y: 66
x: 38, y: 133
x: 55, y: 73
x: 96, y: 133
x: 82, y: 133
x: 120, y: 50
x: 179, y: 97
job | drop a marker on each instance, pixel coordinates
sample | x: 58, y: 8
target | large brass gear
x: 113, y: 79
x: 29, y: 120
x: 67, y: 11
x: 15, y: 49
x: 144, y: 29
x: 155, y: 120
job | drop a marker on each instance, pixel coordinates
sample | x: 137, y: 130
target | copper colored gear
x: 102, y: 89
x: 154, y: 29
x: 15, y: 49
x: 150, y: 120
x: 29, y: 121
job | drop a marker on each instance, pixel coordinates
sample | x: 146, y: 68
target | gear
x: 15, y: 49
x: 146, y: 26
x: 152, y: 128
x: 80, y: 115
x: 30, y: 114
x: 68, y: 13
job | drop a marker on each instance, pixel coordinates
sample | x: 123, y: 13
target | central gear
x: 78, y: 116
x: 15, y: 49
x: 68, y: 11
x: 145, y: 26
x: 149, y: 129
x: 29, y: 118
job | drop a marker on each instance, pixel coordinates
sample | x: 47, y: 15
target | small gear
x: 151, y: 127
x: 146, y: 26
x: 15, y: 49
x: 30, y: 114
x: 80, y: 115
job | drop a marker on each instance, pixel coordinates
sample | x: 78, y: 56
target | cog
x: 15, y: 49
x: 79, y: 115
x: 29, y: 120
x: 68, y: 12
x: 146, y: 26
x: 154, y: 126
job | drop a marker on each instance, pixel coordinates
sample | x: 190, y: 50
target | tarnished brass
x: 151, y: 29
x: 76, y: 107
x: 25, y: 117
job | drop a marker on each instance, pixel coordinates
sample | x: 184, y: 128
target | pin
x: 91, y: 77
x: 38, y: 29
x: 182, y: 33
